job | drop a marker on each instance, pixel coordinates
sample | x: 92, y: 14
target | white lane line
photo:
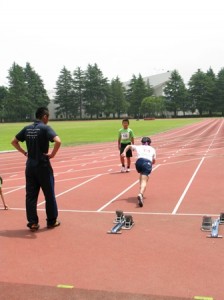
x: 127, y: 212
x: 19, y: 188
x: 198, y: 167
x: 124, y: 191
x: 73, y: 188
x: 112, y: 200
x: 187, y: 187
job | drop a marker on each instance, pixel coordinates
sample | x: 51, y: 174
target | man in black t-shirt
x: 39, y: 172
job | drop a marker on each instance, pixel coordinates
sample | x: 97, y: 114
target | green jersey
x: 125, y: 135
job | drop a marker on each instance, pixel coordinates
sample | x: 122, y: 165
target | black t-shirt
x: 37, y: 137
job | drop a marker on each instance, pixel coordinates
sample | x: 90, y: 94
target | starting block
x: 122, y: 222
x: 128, y: 222
x: 117, y: 228
x: 119, y: 216
x: 206, y: 223
x: 221, y: 218
x: 215, y: 229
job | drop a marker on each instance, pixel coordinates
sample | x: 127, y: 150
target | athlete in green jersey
x: 125, y: 137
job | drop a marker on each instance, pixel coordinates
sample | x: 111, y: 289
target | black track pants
x: 40, y: 176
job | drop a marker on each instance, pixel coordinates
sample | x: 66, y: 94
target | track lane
x: 165, y: 249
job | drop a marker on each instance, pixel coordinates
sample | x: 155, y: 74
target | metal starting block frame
x: 122, y: 222
x: 215, y: 229
x: 128, y: 222
x: 119, y: 217
x: 206, y: 223
x: 116, y: 229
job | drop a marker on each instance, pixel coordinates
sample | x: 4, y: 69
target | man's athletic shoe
x: 56, y: 224
x: 34, y: 227
x: 140, y: 200
x: 123, y: 170
x: 128, y: 170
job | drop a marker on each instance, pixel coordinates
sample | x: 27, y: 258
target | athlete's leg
x: 128, y: 162
x: 46, y: 177
x: 3, y: 200
x: 143, y: 183
x: 140, y: 180
x: 129, y: 156
x: 122, y: 161
x: 32, y: 192
x: 142, y: 186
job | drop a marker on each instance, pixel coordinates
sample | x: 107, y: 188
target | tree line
x: 87, y: 94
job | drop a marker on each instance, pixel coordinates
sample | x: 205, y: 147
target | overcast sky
x: 123, y: 37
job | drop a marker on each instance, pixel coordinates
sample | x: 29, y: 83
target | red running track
x: 164, y: 254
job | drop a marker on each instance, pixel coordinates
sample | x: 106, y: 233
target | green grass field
x: 81, y: 132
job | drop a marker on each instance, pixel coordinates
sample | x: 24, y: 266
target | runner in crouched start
x: 146, y: 157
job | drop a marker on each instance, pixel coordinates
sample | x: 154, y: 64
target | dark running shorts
x: 128, y: 153
x: 143, y: 166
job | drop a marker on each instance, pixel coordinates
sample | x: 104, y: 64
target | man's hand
x: 49, y: 155
x: 57, y: 144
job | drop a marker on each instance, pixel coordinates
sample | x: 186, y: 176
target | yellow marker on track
x: 65, y: 286
x: 203, y: 298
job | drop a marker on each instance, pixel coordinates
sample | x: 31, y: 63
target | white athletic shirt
x: 144, y: 151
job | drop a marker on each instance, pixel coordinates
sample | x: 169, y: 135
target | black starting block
x: 129, y: 223
x: 119, y: 216
x: 206, y: 223
x: 122, y: 222
x: 221, y: 218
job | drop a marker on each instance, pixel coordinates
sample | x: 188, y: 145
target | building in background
x: 157, y: 82
x: 52, y: 105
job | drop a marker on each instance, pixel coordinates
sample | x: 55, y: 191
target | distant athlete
x: 125, y: 137
x: 1, y: 193
x: 146, y: 157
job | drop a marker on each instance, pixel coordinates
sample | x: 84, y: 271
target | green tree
x: 149, y: 88
x: 79, y: 89
x: 25, y: 93
x: 199, y: 91
x: 220, y: 92
x: 211, y: 91
x: 36, y: 93
x: 152, y: 106
x: 108, y: 105
x: 118, y: 97
x: 64, y: 97
x: 96, y: 91
x: 136, y: 92
x: 175, y: 94
x: 3, y: 95
x: 17, y: 105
